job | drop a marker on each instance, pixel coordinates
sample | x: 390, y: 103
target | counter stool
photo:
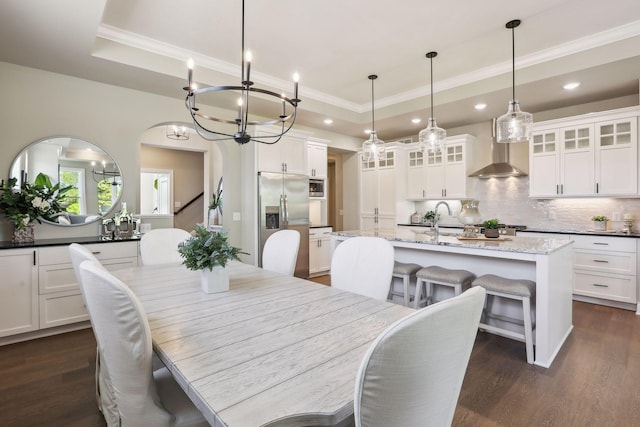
x: 459, y: 280
x: 403, y: 271
x: 515, y: 289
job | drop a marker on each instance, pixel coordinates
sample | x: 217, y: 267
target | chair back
x: 160, y: 246
x: 124, y: 339
x: 79, y: 254
x: 363, y: 265
x: 280, y: 252
x: 412, y: 373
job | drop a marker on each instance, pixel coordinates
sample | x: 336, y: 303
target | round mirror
x: 93, y: 177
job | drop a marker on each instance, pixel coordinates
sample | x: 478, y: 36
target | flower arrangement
x: 31, y: 202
x: 216, y: 199
x: 207, y: 250
x: 491, y: 223
x: 600, y: 218
x: 431, y: 217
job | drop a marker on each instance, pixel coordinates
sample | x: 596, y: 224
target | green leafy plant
x: 216, y: 200
x: 599, y: 218
x: 32, y: 202
x: 207, y: 250
x: 431, y: 217
x: 491, y: 223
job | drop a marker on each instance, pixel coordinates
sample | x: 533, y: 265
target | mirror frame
x: 99, y: 216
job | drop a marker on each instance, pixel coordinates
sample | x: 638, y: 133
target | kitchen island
x: 548, y: 262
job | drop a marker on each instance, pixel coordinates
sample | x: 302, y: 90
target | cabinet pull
x: 600, y: 286
x: 557, y: 189
x: 600, y: 260
x: 597, y: 188
x: 561, y: 188
x: 96, y: 252
x: 34, y: 257
x: 600, y: 243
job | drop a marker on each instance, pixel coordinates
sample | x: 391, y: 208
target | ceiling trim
x: 592, y: 41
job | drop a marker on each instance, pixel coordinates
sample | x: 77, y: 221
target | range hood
x: 500, y: 166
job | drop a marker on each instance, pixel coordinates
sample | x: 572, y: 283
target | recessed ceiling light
x: 480, y: 106
x: 328, y: 121
x: 415, y: 121
x: 367, y: 131
x: 571, y: 86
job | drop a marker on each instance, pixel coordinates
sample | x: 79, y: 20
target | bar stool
x: 514, y: 289
x: 402, y: 271
x: 459, y: 280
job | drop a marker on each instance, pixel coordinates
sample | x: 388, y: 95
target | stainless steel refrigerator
x: 283, y: 200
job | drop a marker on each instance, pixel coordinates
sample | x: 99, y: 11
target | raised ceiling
x: 335, y: 45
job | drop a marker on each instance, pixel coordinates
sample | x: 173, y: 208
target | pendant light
x: 373, y: 148
x: 432, y: 137
x: 515, y: 125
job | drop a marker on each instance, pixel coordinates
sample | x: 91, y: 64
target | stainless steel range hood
x: 500, y: 166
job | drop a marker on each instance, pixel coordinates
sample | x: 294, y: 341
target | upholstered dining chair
x: 104, y: 389
x: 412, y: 374
x: 280, y: 252
x: 363, y: 265
x: 144, y: 397
x: 160, y: 246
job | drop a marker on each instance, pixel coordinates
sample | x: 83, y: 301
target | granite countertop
x: 531, y: 245
x: 62, y: 241
x: 544, y: 230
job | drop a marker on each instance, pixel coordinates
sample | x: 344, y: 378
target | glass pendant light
x: 432, y: 137
x: 373, y: 148
x: 515, y: 125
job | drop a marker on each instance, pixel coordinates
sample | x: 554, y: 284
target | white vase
x: 216, y: 280
x: 214, y: 217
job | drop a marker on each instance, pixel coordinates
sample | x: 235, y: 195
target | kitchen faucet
x: 437, y: 218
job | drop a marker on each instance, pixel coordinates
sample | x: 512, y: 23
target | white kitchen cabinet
x: 319, y: 250
x: 585, y: 156
x: 316, y: 159
x: 60, y: 299
x: 378, y: 192
x: 440, y: 175
x: 287, y: 155
x: 18, y: 291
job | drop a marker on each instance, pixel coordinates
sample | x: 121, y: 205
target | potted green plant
x: 209, y: 252
x: 214, y: 207
x: 599, y: 222
x: 491, y: 228
x: 431, y: 217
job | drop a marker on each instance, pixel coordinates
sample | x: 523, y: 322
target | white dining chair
x: 160, y: 246
x: 412, y: 374
x: 363, y: 265
x: 144, y: 397
x: 280, y: 252
x: 104, y: 389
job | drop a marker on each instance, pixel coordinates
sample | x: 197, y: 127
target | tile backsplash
x: 508, y: 200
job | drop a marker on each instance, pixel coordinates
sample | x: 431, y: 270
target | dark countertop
x: 61, y: 242
x: 320, y: 226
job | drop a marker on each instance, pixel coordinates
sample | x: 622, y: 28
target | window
x: 77, y: 195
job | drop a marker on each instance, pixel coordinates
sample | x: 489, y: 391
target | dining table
x: 272, y: 350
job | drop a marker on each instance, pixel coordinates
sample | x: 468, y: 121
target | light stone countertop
x: 529, y: 245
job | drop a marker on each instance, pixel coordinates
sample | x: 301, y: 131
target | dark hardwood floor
x: 594, y: 381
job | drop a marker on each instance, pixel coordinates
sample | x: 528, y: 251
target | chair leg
x: 405, y: 281
x: 418, y: 296
x: 528, y: 329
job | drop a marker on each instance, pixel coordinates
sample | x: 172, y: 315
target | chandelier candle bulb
x: 296, y: 78
x: 189, y: 72
x: 248, y: 57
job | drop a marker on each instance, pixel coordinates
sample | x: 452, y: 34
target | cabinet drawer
x: 62, y: 308
x: 605, y: 261
x: 604, y: 243
x: 60, y: 254
x: 61, y: 277
x: 615, y: 287
x: 320, y: 232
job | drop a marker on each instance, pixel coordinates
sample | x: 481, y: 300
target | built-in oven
x: 316, y: 187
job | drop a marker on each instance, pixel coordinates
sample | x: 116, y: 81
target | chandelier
x: 432, y: 137
x: 104, y: 174
x: 177, y: 132
x: 514, y: 125
x: 373, y: 148
x: 202, y: 122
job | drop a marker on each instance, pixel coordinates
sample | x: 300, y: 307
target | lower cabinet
x: 319, y: 250
x: 39, y: 290
x: 18, y: 291
x: 60, y: 299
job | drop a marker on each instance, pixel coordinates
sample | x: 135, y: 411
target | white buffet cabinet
x: 39, y: 294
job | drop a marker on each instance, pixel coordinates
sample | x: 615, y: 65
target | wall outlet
x: 145, y: 228
x: 177, y: 204
x: 552, y: 215
x: 237, y: 216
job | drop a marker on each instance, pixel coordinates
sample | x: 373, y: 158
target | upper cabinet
x: 585, y: 156
x: 316, y: 159
x: 441, y: 175
x: 287, y: 155
x: 378, y: 191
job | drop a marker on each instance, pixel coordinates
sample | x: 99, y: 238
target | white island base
x: 548, y: 262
